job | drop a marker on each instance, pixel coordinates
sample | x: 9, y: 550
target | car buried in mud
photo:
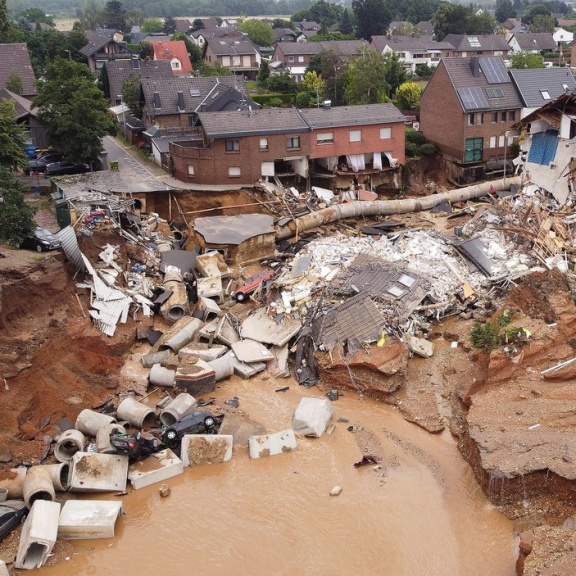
x: 200, y: 422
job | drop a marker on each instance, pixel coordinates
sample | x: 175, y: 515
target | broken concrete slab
x: 209, y: 308
x: 212, y: 264
x: 241, y: 428
x: 312, y: 416
x: 278, y: 367
x: 202, y: 351
x: 225, y: 332
x: 272, y: 444
x: 210, y: 287
x: 198, y: 449
x: 419, y: 346
x: 3, y: 569
x: 86, y: 519
x: 92, y: 472
x: 156, y: 468
x: 264, y: 328
x: 223, y: 368
x: 39, y: 535
x: 196, y: 379
x: 250, y: 351
x: 244, y: 370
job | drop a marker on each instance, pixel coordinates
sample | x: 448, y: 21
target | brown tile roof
x: 537, y: 41
x: 14, y: 58
x: 170, y: 50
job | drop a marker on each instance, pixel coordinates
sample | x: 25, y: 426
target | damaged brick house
x: 467, y: 109
x: 346, y: 145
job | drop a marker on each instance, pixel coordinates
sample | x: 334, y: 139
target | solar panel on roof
x: 495, y: 92
x: 494, y: 70
x: 472, y: 98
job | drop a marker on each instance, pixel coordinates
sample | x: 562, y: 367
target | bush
x: 490, y: 335
x: 275, y: 102
x: 266, y: 99
x: 415, y: 137
x: 429, y: 149
x: 424, y: 71
x: 303, y: 99
x: 411, y: 149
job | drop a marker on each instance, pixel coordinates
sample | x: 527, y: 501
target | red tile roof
x: 169, y: 51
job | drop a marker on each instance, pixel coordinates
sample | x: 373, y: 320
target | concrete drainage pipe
x: 59, y: 475
x: 70, y: 442
x: 138, y: 414
x: 89, y: 422
x: 38, y: 486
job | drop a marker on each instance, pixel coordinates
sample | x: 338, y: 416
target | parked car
x: 65, y: 167
x: 251, y: 284
x: 39, y: 164
x: 11, y: 516
x: 41, y: 240
x: 200, y: 422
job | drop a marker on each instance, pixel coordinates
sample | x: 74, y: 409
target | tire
x: 209, y: 422
x: 240, y: 297
x: 171, y: 437
x: 38, y: 247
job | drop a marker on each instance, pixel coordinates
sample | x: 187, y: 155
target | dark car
x: 41, y: 240
x: 65, y: 168
x: 251, y: 284
x: 11, y: 515
x: 200, y: 422
x: 39, y: 164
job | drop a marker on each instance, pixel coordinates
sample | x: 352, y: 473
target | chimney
x: 157, y: 100
x: 181, y: 106
x: 475, y: 66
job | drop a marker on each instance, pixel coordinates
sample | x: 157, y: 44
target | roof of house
x: 231, y: 46
x: 22, y: 106
x: 512, y: 23
x: 183, y: 25
x: 139, y: 37
x: 476, y: 42
x: 174, y: 49
x: 14, y: 59
x: 215, y: 93
x: 225, y: 32
x: 283, y: 32
x: 426, y: 26
x: 308, y: 25
x: 532, y: 83
x: 342, y: 47
x: 481, y: 83
x: 409, y: 43
x: 118, y: 70
x: 162, y: 143
x: 233, y: 229
x: 246, y: 122
x: 97, y: 42
x: 538, y: 41
x: 566, y: 22
x: 209, y: 23
x: 108, y: 32
x: 362, y: 115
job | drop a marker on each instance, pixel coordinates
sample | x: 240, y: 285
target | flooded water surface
x: 420, y: 514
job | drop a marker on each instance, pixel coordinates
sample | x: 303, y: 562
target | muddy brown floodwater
x: 421, y: 513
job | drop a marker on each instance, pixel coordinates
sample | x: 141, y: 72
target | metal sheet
x: 70, y: 246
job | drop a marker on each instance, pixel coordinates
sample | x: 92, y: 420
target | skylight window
x: 545, y: 94
x: 495, y: 92
x: 474, y: 42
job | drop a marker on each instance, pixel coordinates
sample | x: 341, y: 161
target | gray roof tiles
x: 538, y: 41
x: 477, y: 42
x: 531, y: 82
x: 409, y: 43
x: 351, y: 115
x: 119, y: 70
x: 342, y: 47
x: 228, y: 46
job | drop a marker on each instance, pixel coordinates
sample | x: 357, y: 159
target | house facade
x: 479, y: 45
x: 532, y: 43
x: 237, y: 54
x: 101, y: 49
x: 413, y: 50
x: 467, y: 109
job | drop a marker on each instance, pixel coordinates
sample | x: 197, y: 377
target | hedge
x: 264, y: 99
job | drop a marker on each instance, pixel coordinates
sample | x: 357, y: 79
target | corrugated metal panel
x: 70, y: 246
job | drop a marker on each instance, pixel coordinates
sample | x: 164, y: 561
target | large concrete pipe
x: 148, y: 360
x: 59, y: 474
x: 183, y: 404
x: 103, y: 445
x: 380, y: 207
x: 38, y: 486
x: 223, y: 367
x: 184, y: 335
x: 3, y: 494
x: 89, y: 421
x: 160, y: 376
x: 13, y: 481
x: 177, y: 305
x: 70, y: 442
x: 136, y: 413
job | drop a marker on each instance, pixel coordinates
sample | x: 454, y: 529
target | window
x: 232, y: 145
x: 290, y: 58
x: 479, y: 118
x: 512, y: 115
x: 263, y: 143
x: 355, y: 135
x: 492, y: 142
x: 385, y: 133
x: 500, y: 141
x: 325, y: 138
x: 473, y: 151
x: 494, y: 117
x: 191, y: 120
x: 470, y: 119
x: 543, y: 148
x: 293, y: 142
x: 300, y: 58
x: 234, y: 172
x: 503, y: 116
x: 545, y: 94
x: 190, y: 170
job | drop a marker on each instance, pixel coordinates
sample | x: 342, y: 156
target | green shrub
x: 275, y: 102
x: 429, y: 149
x: 303, y: 99
x: 424, y: 71
x: 415, y: 137
x: 264, y: 99
x: 411, y: 149
x: 492, y: 334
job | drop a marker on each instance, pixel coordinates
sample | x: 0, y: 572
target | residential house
x: 15, y: 62
x: 532, y: 43
x: 174, y: 52
x: 25, y: 115
x: 345, y: 145
x: 284, y: 35
x: 566, y: 22
x: 539, y: 86
x: 396, y: 24
x: 295, y: 56
x: 149, y: 37
x: 467, y: 108
x: 208, y: 23
x: 478, y: 45
x: 426, y: 27
x: 183, y: 25
x: 306, y: 30
x: 112, y: 33
x: 174, y: 103
x: 116, y: 72
x: 562, y: 36
x: 548, y: 147
x: 101, y: 49
x: 413, y: 50
x: 355, y: 144
x: 512, y: 23
x: 200, y: 37
x: 237, y: 54
x: 229, y: 23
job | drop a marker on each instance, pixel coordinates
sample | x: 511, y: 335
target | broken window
x: 543, y: 148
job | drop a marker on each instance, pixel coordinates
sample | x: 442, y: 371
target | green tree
x: 152, y: 25
x: 194, y: 51
x: 315, y: 64
x: 197, y: 24
x: 280, y: 23
x: 264, y: 71
x: 145, y: 51
x: 372, y: 18
x: 366, y: 79
x: 408, y: 96
x: 282, y: 82
x: 259, y: 32
x: 134, y: 17
x: 394, y: 72
x: 4, y: 22
x: 16, y: 215
x: 346, y: 23
x: 131, y: 94
x: 114, y: 16
x: 449, y: 19
x: 14, y: 83
x: 480, y: 24
x: 303, y: 99
x: 312, y: 83
x: 327, y: 14
x: 542, y: 23
x: 504, y: 10
x: 527, y: 60
x: 334, y: 75
x: 534, y: 10
x: 215, y: 69
x: 169, y: 26
x: 11, y: 137
x: 37, y: 15
x: 73, y: 110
